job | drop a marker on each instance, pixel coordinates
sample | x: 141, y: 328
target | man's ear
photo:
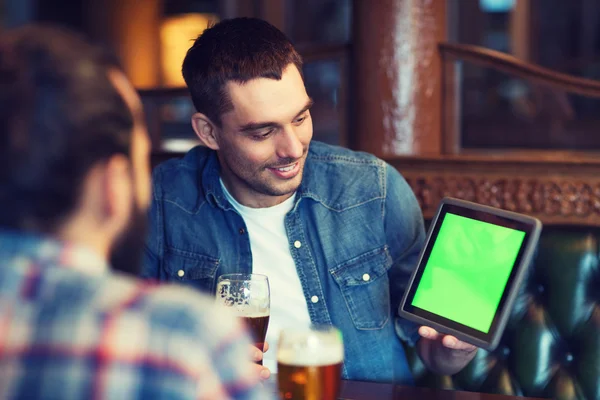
x: 205, y: 130
x: 118, y: 190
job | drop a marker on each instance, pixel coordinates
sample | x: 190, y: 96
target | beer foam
x: 243, y: 311
x: 317, y: 357
x: 251, y: 313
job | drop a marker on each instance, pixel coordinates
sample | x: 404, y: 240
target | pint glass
x: 248, y: 296
x: 309, y: 363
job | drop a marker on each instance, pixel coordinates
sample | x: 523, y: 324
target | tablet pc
x: 469, y: 271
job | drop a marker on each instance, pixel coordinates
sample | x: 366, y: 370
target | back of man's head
x: 237, y: 50
x: 59, y: 116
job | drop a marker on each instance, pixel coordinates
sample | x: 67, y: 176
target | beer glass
x: 309, y: 363
x: 248, y: 296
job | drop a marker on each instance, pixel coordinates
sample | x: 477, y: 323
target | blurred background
x: 151, y: 37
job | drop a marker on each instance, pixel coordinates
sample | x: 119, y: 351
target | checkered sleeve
x: 73, y: 335
x: 183, y: 348
x: 209, y: 342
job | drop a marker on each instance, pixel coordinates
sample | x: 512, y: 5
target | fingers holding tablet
x: 448, y: 341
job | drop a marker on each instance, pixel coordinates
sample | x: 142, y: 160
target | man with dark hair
x: 338, y: 232
x: 74, y: 190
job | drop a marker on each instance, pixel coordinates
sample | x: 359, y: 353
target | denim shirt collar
x: 213, y: 191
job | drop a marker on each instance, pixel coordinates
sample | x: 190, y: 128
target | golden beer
x: 321, y: 382
x: 309, y: 363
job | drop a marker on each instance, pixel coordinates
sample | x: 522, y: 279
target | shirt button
x: 242, y: 231
x: 297, y: 244
x: 180, y: 273
x: 366, y: 277
x: 314, y: 299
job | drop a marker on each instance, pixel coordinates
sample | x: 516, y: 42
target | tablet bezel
x: 532, y: 228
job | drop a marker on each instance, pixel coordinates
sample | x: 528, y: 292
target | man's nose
x: 289, y: 145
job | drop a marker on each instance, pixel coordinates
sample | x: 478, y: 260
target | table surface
x: 353, y: 390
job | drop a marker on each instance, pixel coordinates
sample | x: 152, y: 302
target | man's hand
x: 444, y: 354
x: 257, y: 355
x: 448, y: 341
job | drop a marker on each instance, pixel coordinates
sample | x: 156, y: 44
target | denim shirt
x: 355, y: 232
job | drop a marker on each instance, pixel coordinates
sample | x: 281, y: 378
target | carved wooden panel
x: 556, y: 193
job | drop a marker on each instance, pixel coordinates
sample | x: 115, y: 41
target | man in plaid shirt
x: 74, y: 187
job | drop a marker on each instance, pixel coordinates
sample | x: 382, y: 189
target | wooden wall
x: 405, y: 111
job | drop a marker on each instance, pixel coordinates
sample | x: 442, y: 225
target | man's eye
x: 300, y: 120
x: 262, y: 134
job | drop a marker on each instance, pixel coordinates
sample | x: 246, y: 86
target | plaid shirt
x: 70, y: 329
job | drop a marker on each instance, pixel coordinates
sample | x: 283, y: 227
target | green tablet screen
x: 467, y: 270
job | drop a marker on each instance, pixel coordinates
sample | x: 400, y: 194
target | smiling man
x: 264, y: 141
x: 337, y: 232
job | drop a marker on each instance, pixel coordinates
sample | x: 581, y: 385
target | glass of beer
x: 248, y: 296
x: 309, y: 363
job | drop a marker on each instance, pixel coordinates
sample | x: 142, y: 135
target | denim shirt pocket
x: 364, y: 283
x: 193, y: 269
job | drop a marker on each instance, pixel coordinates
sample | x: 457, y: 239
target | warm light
x: 177, y: 34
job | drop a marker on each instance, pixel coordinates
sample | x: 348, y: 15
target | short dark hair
x: 238, y: 49
x: 60, y: 115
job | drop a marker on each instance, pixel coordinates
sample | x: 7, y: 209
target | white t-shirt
x: 271, y: 256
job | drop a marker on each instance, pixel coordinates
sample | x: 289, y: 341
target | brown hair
x: 59, y: 115
x: 238, y: 50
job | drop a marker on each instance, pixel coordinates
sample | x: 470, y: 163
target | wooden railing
x: 538, y: 78
x: 511, y: 65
